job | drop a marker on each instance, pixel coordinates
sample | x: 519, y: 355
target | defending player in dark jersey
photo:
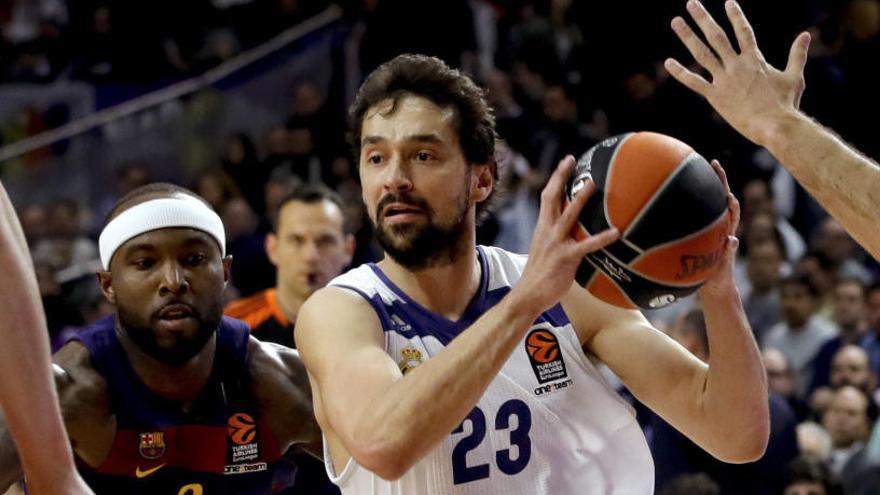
x: 167, y: 397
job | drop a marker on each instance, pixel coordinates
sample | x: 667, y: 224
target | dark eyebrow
x: 417, y: 138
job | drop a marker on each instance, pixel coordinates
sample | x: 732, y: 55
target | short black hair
x: 309, y: 194
x: 160, y: 189
x: 810, y: 469
x: 803, y: 280
x: 431, y: 78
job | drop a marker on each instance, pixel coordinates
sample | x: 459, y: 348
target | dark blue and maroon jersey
x: 220, y: 446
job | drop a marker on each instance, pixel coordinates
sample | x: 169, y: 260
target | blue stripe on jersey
x: 410, y: 319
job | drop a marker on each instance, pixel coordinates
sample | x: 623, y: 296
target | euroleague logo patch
x: 242, y: 428
x: 545, y: 356
x: 244, y: 445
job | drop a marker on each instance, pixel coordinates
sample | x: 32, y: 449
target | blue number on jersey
x: 519, y: 437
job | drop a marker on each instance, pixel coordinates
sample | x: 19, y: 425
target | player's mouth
x: 401, y: 212
x: 175, y: 311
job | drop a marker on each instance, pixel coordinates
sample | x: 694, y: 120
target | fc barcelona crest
x: 152, y: 444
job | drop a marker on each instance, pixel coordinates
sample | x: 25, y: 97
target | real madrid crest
x: 410, y: 357
x: 151, y: 445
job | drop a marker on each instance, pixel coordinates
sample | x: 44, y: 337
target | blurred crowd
x: 561, y: 76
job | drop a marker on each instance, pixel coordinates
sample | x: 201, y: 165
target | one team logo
x: 545, y: 356
x: 151, y: 445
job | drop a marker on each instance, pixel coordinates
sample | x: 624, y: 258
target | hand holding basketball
x: 750, y: 94
x: 555, y: 254
x: 722, y: 279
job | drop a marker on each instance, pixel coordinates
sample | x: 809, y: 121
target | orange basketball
x: 671, y: 209
x: 242, y: 428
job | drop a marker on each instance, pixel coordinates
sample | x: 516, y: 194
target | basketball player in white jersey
x: 452, y: 368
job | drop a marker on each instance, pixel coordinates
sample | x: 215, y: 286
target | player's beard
x: 417, y: 246
x: 143, y: 334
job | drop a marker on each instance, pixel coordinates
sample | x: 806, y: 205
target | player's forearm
x: 422, y: 408
x: 845, y: 182
x: 24, y: 358
x: 734, y: 415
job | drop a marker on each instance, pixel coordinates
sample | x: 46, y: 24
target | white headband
x: 182, y: 211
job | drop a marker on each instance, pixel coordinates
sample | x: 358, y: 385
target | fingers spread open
x: 693, y: 81
x: 716, y: 36
x: 745, y: 35
x: 701, y: 53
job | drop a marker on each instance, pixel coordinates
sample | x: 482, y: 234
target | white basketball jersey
x: 547, y: 424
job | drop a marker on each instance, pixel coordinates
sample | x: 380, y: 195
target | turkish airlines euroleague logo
x: 242, y: 428
x: 542, y: 346
x: 545, y: 355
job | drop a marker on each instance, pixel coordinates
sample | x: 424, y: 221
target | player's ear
x: 227, y: 268
x: 484, y: 180
x: 271, y: 247
x: 105, y: 282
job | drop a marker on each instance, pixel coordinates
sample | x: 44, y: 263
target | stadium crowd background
x: 561, y: 75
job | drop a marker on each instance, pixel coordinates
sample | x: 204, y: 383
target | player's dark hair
x: 431, y: 78
x: 309, y: 194
x: 802, y: 280
x: 158, y: 189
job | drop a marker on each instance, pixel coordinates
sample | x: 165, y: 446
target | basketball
x: 670, y: 208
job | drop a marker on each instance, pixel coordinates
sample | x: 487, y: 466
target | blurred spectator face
x: 558, y: 107
x: 300, y: 141
x: 849, y: 304
x: 277, y: 142
x: 821, y: 278
x: 274, y: 192
x: 756, y: 199
x: 33, y: 221
x: 133, y: 177
x: 210, y: 187
x: 805, y: 488
x: 238, y: 218
x: 797, y: 303
x: 760, y: 228
x: 851, y: 366
x: 234, y: 150
x: 310, y: 246
x: 779, y: 377
x: 64, y: 218
x: 500, y: 90
x: 873, y: 307
x: 833, y: 240
x: 763, y: 264
x: 306, y: 100
x: 847, y: 418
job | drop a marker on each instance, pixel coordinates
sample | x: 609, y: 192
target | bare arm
x: 281, y: 386
x: 30, y: 400
x: 762, y: 102
x: 723, y: 406
x: 388, y: 421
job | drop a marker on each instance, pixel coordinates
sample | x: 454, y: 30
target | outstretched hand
x: 750, y: 94
x: 555, y: 254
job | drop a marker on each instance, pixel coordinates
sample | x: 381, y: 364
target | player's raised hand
x: 750, y: 94
x: 555, y: 255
